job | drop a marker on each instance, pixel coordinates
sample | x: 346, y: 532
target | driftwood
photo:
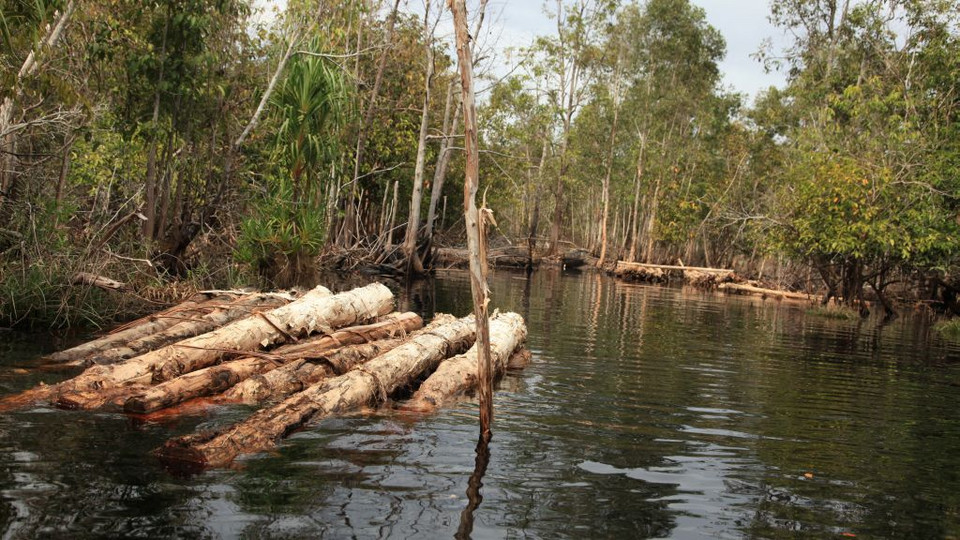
x: 100, y: 282
x: 187, y: 327
x: 194, y: 307
x: 366, y: 385
x: 767, y: 293
x: 314, y: 311
x: 459, y: 375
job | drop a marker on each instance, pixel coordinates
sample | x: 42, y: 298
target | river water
x: 647, y: 412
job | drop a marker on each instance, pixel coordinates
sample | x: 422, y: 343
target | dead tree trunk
x: 459, y: 375
x: 414, y: 265
x: 475, y: 237
x: 375, y: 382
x: 315, y: 311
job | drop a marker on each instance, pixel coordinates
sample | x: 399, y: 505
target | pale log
x: 368, y: 385
x: 767, y: 293
x: 459, y: 375
x: 299, y: 374
x: 187, y: 327
x: 140, y: 328
x: 314, y: 311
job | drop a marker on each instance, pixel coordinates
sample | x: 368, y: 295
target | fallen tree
x: 369, y: 384
x: 744, y: 288
x: 459, y: 375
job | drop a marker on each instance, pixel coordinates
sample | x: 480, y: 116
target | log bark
x: 315, y: 311
x: 189, y: 327
x: 369, y: 385
x: 324, y: 359
x: 459, y: 375
x: 142, y: 327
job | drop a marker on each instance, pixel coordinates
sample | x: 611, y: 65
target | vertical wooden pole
x: 478, y: 278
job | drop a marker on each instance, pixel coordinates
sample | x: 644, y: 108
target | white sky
x: 515, y: 23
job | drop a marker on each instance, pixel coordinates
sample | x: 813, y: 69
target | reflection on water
x: 647, y: 412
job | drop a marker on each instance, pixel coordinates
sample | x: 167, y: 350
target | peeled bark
x: 315, y: 311
x: 368, y: 385
x: 157, y: 322
x: 308, y: 364
x: 194, y: 326
x: 459, y: 375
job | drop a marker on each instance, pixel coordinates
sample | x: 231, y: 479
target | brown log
x: 140, y: 328
x: 314, y: 311
x: 459, y: 375
x: 767, y: 293
x: 368, y: 385
x: 189, y: 327
x: 203, y: 382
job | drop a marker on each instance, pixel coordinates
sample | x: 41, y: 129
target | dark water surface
x: 647, y: 412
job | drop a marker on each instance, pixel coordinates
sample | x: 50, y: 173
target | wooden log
x: 189, y: 327
x: 459, y: 375
x: 299, y: 374
x: 368, y: 385
x: 626, y: 266
x: 140, y: 328
x: 310, y: 367
x: 314, y: 311
x: 319, y: 365
x: 100, y: 282
x: 767, y: 293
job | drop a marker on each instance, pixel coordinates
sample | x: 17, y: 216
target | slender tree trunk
x: 349, y: 228
x: 9, y: 169
x: 440, y: 173
x: 150, y: 183
x: 476, y: 247
x: 413, y: 264
x: 606, y: 178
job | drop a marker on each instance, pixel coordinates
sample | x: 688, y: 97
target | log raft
x: 377, y: 380
x: 318, y: 354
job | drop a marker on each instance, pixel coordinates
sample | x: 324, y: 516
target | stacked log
x: 312, y: 360
x: 270, y: 354
x: 374, y: 382
x: 658, y: 273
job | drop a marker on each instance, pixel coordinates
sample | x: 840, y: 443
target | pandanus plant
x: 312, y: 105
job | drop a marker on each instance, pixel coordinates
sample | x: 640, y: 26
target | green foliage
x: 949, y: 329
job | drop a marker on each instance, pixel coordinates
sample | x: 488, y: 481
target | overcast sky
x: 743, y: 23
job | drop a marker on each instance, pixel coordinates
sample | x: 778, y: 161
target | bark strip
x: 368, y: 385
